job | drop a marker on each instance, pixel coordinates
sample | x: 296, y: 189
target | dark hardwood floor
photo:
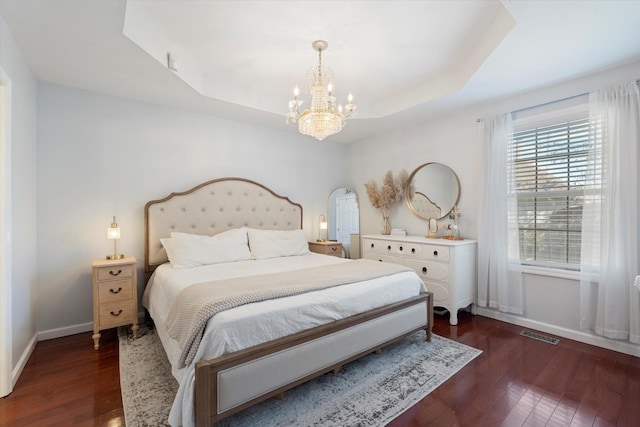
x: 516, y: 381
x: 68, y: 383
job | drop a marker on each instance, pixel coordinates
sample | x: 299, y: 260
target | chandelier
x: 324, y: 117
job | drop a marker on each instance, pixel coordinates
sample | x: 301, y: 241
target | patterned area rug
x: 371, y: 391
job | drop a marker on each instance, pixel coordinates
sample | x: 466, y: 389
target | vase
x: 386, y: 227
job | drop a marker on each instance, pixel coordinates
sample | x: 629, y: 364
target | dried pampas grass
x: 390, y: 193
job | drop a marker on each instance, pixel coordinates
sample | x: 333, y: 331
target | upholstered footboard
x: 233, y: 382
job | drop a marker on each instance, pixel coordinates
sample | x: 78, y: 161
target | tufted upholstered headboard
x: 213, y: 207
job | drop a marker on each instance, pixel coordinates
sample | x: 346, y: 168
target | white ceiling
x: 402, y: 60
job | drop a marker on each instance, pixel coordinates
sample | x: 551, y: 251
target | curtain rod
x: 543, y: 104
x: 551, y: 102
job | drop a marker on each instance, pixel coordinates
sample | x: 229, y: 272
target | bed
x: 260, y: 348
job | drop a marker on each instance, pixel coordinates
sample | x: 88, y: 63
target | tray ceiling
x: 402, y: 60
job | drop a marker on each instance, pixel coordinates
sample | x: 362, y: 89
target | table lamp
x: 113, y: 233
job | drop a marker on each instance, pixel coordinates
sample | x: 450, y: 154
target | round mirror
x: 344, y: 220
x: 432, y: 191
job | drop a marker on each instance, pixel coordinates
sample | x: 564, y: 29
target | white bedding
x: 252, y: 324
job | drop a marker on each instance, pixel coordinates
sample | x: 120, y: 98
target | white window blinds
x: 550, y: 170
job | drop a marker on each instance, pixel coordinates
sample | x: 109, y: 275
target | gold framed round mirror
x: 432, y: 190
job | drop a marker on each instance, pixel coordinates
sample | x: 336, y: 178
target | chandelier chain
x: 320, y: 64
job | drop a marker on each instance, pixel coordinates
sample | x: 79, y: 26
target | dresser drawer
x: 441, y: 294
x: 434, y: 252
x: 115, y: 290
x: 377, y: 246
x: 116, y: 314
x: 335, y: 250
x: 326, y: 248
x: 408, y: 249
x: 428, y: 270
x: 382, y: 257
x: 115, y: 272
x: 392, y: 248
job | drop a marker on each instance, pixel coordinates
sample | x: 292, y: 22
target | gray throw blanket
x: 195, y: 305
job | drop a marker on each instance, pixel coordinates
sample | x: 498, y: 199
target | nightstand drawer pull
x: 334, y: 248
x: 116, y: 314
x: 424, y: 270
x: 435, y: 253
x: 116, y: 273
x: 116, y: 291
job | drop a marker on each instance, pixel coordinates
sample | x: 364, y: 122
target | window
x: 550, y: 160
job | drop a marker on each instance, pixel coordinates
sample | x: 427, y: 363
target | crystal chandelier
x: 324, y: 117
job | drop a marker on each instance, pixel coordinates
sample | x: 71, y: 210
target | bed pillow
x: 186, y: 250
x: 277, y: 243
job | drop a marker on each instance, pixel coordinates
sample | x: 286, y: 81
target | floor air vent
x: 539, y: 337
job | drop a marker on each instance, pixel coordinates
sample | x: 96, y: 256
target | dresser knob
x: 401, y: 248
x: 117, y: 273
x: 413, y: 250
x: 424, y: 270
x: 435, y: 253
x: 116, y: 314
x: 372, y: 245
x: 116, y: 291
x: 389, y: 247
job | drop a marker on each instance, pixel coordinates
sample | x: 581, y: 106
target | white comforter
x: 252, y: 324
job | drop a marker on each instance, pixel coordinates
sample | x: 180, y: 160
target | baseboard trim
x: 580, y: 336
x: 76, y: 329
x: 22, y: 362
x: 65, y: 331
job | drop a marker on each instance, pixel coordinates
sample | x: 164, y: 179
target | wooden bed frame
x: 232, y: 382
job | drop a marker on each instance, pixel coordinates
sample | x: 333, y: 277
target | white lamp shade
x: 322, y: 233
x: 323, y: 222
x: 113, y: 233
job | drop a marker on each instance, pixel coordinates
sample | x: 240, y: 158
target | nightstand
x: 115, y: 295
x: 326, y: 248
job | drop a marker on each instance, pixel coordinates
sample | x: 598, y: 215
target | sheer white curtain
x: 609, y: 255
x: 499, y: 273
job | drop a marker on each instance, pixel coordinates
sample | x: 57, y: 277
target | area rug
x: 371, y: 391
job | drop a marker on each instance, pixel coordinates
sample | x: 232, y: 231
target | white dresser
x: 447, y: 267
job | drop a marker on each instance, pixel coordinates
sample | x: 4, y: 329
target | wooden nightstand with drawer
x: 326, y: 248
x: 115, y: 296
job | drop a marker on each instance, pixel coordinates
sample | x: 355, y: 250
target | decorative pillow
x: 277, y: 243
x: 186, y: 250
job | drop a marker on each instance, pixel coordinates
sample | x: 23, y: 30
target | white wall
x: 100, y: 156
x: 23, y: 199
x: 452, y: 140
x: 455, y: 139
